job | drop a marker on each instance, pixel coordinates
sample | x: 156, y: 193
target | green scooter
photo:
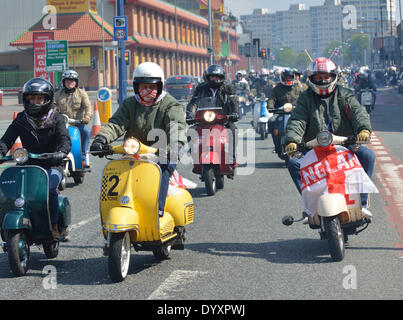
x: 24, y: 210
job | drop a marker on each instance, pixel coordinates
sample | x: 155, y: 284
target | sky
x: 245, y: 7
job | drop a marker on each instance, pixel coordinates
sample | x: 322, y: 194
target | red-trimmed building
x: 175, y: 38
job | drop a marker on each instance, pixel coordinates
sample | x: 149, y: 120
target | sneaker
x: 305, y: 216
x: 85, y: 165
x: 366, y: 213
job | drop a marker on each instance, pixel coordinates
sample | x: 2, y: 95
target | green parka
x: 282, y: 94
x: 348, y: 116
x: 135, y: 120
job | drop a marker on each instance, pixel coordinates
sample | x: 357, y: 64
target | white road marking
x: 83, y: 222
x: 176, y: 281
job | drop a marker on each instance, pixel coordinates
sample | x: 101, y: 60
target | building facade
x: 174, y: 37
x: 315, y: 28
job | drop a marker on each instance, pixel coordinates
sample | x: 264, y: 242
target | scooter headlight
x: 131, y: 146
x: 209, y: 116
x: 288, y: 107
x: 20, y: 155
x: 324, y: 138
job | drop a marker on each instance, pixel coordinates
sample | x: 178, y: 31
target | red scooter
x: 211, y: 148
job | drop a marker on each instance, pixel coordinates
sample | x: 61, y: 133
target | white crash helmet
x: 148, y: 72
x: 322, y: 65
x: 239, y: 73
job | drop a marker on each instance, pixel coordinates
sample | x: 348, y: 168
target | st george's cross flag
x: 332, y: 169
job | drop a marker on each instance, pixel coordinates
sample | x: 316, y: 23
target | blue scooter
x: 282, y: 115
x: 24, y: 210
x: 73, y: 163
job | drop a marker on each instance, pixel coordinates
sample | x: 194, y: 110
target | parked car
x: 181, y: 87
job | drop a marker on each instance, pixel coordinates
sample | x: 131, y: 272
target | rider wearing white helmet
x: 151, y: 108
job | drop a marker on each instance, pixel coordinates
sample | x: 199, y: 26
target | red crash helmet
x: 324, y: 66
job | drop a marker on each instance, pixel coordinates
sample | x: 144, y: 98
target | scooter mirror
x: 287, y: 220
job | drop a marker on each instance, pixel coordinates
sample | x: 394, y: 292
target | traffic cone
x: 17, y: 144
x: 96, y: 121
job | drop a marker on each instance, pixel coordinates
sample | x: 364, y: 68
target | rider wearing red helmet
x: 328, y: 106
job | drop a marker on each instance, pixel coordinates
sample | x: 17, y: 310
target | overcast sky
x: 244, y: 7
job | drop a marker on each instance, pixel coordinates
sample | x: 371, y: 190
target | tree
x: 302, y: 61
x: 285, y: 57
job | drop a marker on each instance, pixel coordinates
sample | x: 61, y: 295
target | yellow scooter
x: 129, y: 208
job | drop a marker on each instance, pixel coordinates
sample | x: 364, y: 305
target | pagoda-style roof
x: 77, y: 28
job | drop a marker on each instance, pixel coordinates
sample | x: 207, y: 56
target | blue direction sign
x: 104, y: 94
x: 120, y: 28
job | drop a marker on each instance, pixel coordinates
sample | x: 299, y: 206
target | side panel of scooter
x: 76, y: 146
x: 64, y: 210
x: 31, y: 184
x: 132, y: 184
x: 180, y: 206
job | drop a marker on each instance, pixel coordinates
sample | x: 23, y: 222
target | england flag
x: 332, y: 169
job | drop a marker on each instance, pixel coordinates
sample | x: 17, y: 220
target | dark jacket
x: 282, y: 94
x: 226, y: 99
x: 348, y: 116
x: 53, y: 138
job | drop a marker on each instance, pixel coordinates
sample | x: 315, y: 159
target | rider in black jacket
x: 223, y: 94
x: 42, y: 129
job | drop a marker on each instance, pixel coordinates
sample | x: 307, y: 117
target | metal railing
x: 14, y: 79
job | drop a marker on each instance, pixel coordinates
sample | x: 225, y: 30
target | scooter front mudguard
x: 332, y: 204
x: 14, y: 220
x: 210, y: 157
x: 75, y: 150
x: 121, y: 219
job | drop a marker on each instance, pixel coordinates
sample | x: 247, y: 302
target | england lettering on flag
x: 333, y: 169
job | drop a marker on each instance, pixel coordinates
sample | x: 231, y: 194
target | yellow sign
x: 73, y: 6
x: 80, y: 57
x: 216, y: 37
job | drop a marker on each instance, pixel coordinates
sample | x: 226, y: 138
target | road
x: 237, y: 247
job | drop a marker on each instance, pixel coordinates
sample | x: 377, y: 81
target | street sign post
x: 57, y: 53
x: 120, y: 34
x: 120, y: 28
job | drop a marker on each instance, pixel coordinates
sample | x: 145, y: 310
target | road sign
x: 57, y: 52
x: 104, y: 97
x: 104, y: 94
x: 120, y: 28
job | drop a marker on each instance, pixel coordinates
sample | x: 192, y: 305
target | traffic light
x: 263, y: 53
x: 94, y: 63
x: 127, y: 57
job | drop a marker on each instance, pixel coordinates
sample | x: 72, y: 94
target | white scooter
x: 332, y: 179
x: 367, y: 99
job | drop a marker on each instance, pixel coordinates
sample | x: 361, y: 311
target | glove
x: 233, y: 117
x: 98, y: 145
x: 291, y: 148
x: 85, y: 121
x: 364, y: 136
x: 57, y: 158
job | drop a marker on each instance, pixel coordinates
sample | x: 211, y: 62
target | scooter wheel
x: 51, y: 249
x: 162, y: 252
x: 119, y: 256
x: 210, y: 181
x: 78, y: 179
x: 335, y: 237
x: 18, y: 252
